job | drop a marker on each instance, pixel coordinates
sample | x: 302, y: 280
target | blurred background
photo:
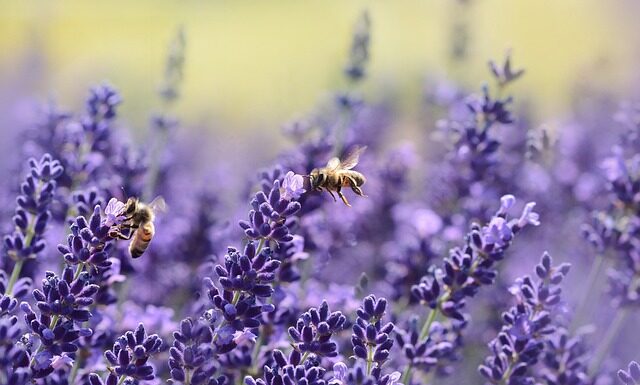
x: 253, y: 65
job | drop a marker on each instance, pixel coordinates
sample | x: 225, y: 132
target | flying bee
x: 138, y: 221
x: 338, y: 174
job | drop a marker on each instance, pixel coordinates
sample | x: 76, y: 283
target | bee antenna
x: 124, y: 194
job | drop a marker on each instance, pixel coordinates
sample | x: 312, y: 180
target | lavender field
x: 468, y: 236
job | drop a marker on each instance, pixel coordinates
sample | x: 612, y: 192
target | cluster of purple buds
x: 14, y: 360
x: 191, y: 356
x: 314, y: 329
x: 291, y: 371
x: 32, y: 212
x: 101, y: 110
x: 565, y: 359
x: 248, y: 272
x: 88, y: 244
x: 66, y: 297
x: 342, y: 375
x: 267, y: 219
x: 615, y: 231
x: 62, y: 303
x: 235, y: 312
x: 466, y: 269
x: 428, y: 351
x: 9, y: 301
x: 131, y: 352
x: 631, y: 376
x: 491, y: 110
x: 527, y: 326
x: 371, y: 339
x: 85, y: 201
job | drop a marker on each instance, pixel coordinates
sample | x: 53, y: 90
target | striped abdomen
x: 141, y: 239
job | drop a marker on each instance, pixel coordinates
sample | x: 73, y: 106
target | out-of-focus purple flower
x: 14, y: 359
x: 504, y: 74
x: 32, y: 212
x: 527, y: 325
x: 359, y: 53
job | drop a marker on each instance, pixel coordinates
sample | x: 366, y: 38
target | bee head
x: 316, y: 178
x: 131, y: 207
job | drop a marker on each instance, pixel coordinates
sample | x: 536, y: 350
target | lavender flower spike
x: 631, y: 376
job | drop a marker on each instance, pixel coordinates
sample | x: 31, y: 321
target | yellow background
x: 256, y: 64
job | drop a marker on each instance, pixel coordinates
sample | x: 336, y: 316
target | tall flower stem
x: 608, y: 339
x: 17, y: 268
x: 427, y: 324
x: 424, y: 332
x: 28, y: 238
x: 592, y: 278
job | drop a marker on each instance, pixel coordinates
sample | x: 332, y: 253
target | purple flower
x: 61, y: 361
x: 529, y: 217
x: 113, y: 213
x: 631, y: 376
x: 292, y: 186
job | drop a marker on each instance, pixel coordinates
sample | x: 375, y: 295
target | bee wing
x: 158, y: 205
x: 351, y: 159
x: 333, y: 163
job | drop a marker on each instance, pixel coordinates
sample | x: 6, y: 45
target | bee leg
x: 355, y: 188
x: 332, y: 196
x: 341, y: 195
x: 118, y: 234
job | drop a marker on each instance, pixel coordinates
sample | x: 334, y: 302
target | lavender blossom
x: 130, y: 354
x: 32, y: 214
x: 314, y: 329
x: 527, y: 325
x: 371, y: 339
x: 289, y: 371
x: 631, y: 376
x: 267, y: 219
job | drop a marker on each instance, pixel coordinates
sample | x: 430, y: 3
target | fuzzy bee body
x: 141, y: 239
x: 139, y: 222
x: 338, y: 174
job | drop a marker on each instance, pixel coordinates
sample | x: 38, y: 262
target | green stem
x: 260, y: 246
x: 17, y: 268
x: 304, y: 357
x: 236, y: 297
x: 122, y: 380
x: 607, y: 341
x: 256, y: 348
x: 406, y: 376
x: 154, y: 167
x: 427, y: 325
x: 187, y: 378
x: 79, y: 270
x: 592, y: 278
x: 369, y: 359
x: 74, y: 370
